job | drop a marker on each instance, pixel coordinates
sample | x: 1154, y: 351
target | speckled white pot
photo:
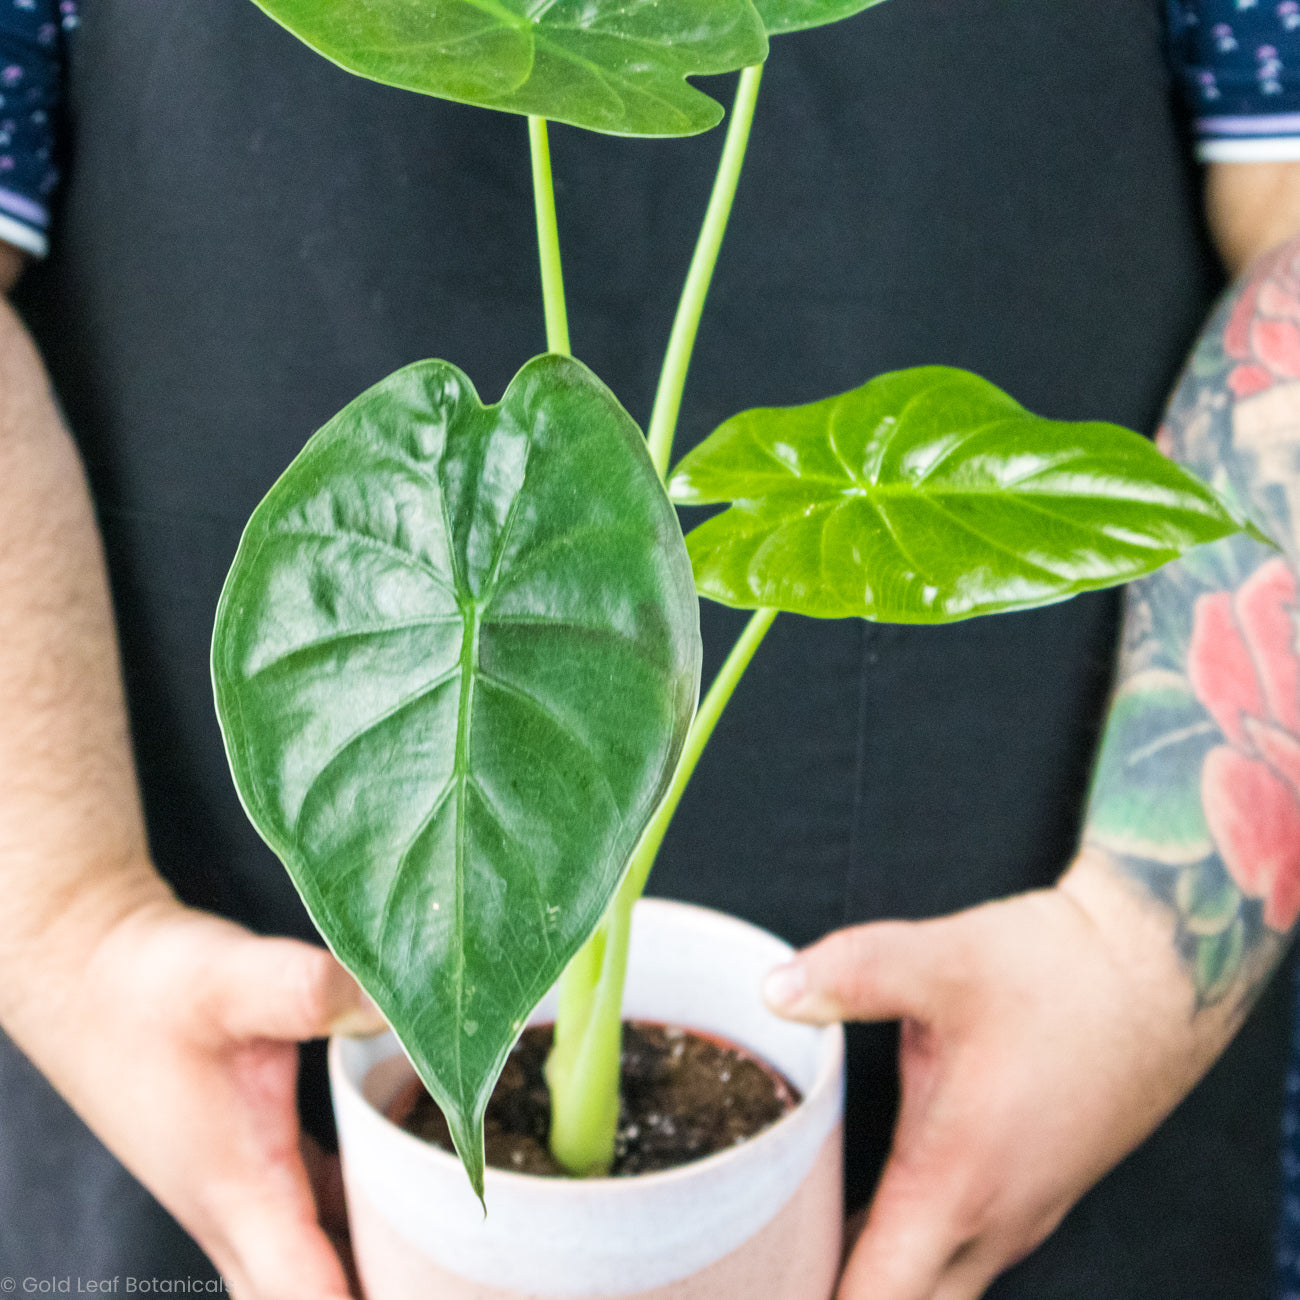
x: 760, y: 1221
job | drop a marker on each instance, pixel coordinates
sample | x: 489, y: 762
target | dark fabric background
x: 250, y: 237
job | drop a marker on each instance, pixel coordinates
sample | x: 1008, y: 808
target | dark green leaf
x: 1146, y: 795
x: 455, y: 662
x: 929, y: 495
x: 608, y: 65
x: 796, y: 15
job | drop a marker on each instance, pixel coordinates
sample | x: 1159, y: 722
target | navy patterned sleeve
x: 31, y: 46
x: 1238, y: 62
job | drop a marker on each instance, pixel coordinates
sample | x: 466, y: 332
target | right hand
x: 1043, y: 1037
x: 178, y: 1047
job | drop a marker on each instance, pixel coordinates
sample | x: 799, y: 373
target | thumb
x: 282, y: 988
x: 881, y: 971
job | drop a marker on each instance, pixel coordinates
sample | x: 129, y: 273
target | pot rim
x: 829, y: 1074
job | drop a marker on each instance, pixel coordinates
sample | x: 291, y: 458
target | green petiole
x: 548, y: 239
x: 686, y: 324
x: 711, y: 707
x: 583, y: 1068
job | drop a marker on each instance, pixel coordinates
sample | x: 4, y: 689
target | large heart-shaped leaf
x: 455, y: 662
x: 796, y: 15
x: 618, y: 66
x: 929, y: 495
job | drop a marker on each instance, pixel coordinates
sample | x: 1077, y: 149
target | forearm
x: 1195, y: 808
x: 173, y: 1034
x: 73, y: 856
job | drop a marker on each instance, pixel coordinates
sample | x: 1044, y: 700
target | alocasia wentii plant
x: 457, y: 657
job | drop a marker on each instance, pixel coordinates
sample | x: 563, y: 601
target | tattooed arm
x: 1044, y: 1036
x: 1196, y: 797
x: 1197, y: 791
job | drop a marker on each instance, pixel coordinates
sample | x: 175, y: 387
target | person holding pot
x: 246, y: 237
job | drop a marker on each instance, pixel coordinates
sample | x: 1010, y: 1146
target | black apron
x: 249, y: 237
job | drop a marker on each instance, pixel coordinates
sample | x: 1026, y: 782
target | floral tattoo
x: 1197, y: 787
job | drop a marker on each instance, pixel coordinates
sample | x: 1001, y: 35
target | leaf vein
x: 376, y: 543
x: 400, y: 707
x: 527, y: 697
x: 356, y: 634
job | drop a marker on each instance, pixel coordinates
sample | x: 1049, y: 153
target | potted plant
x: 457, y: 657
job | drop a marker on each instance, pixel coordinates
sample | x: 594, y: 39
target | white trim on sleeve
x: 1282, y: 148
x: 23, y: 236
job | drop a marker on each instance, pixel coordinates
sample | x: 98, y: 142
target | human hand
x: 1043, y: 1038
x: 178, y: 1046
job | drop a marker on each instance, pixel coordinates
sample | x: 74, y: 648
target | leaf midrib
x: 461, y: 776
x: 911, y: 488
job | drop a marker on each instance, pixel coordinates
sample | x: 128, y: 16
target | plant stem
x: 686, y: 324
x: 710, y: 710
x: 582, y: 1070
x: 548, y: 238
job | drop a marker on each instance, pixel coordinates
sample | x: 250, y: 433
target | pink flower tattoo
x: 1244, y: 668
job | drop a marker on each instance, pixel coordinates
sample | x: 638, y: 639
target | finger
x: 281, y: 988
x: 279, y: 1252
x: 920, y: 1267
x: 924, y: 1215
x: 903, y: 1260
x: 967, y: 1277
x: 881, y: 971
x: 926, y: 1240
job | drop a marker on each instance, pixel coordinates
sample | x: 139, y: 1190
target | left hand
x: 1043, y: 1038
x: 174, y: 1034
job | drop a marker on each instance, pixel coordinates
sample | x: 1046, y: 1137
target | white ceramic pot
x: 760, y: 1221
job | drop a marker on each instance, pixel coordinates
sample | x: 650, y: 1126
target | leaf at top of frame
x: 797, y: 15
x: 618, y: 66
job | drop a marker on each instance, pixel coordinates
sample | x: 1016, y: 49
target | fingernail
x: 785, y: 985
x: 364, y: 1021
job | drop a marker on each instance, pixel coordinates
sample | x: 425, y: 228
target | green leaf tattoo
x: 455, y: 663
x: 1155, y: 722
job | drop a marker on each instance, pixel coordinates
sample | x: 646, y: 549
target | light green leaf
x: 618, y: 66
x: 1146, y: 794
x: 1217, y: 962
x: 455, y: 662
x: 796, y: 15
x: 1207, y: 898
x: 927, y: 496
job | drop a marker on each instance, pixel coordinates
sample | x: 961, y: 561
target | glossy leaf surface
x: 927, y: 496
x: 609, y: 65
x: 455, y: 662
x: 796, y: 15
